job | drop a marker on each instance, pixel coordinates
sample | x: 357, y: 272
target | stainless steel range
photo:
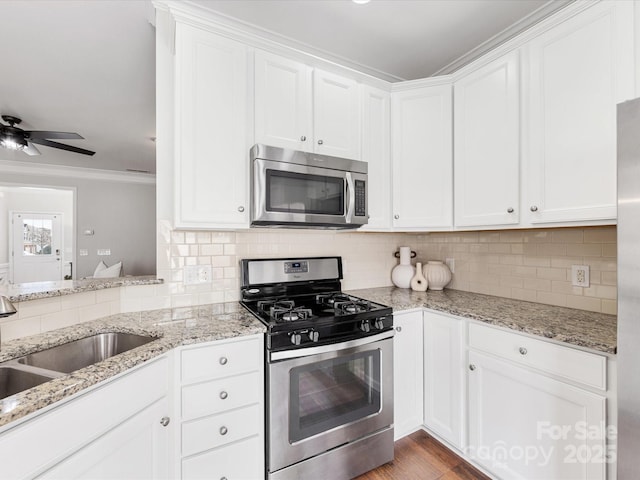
x: 329, y: 369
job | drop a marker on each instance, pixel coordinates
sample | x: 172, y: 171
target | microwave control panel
x: 361, y: 198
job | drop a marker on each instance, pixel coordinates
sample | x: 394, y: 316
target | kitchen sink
x: 78, y: 354
x: 15, y: 380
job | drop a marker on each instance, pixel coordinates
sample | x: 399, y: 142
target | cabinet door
x: 336, y: 115
x: 136, y: 449
x: 487, y: 145
x: 283, y: 95
x: 212, y: 147
x: 444, y: 377
x: 579, y: 71
x: 422, y: 159
x: 523, y: 425
x: 407, y: 373
x: 376, y: 152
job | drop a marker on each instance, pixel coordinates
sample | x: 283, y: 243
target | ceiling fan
x: 15, y: 138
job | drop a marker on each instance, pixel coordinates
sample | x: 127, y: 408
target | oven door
x: 287, y: 193
x: 334, y: 395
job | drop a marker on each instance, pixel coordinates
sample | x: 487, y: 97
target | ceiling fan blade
x: 61, y: 146
x: 31, y: 149
x: 59, y: 135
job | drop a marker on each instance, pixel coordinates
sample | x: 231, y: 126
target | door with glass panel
x: 36, y: 254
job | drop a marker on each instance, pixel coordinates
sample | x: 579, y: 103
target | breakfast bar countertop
x: 595, y: 331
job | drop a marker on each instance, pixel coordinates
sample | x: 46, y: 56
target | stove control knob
x: 296, y: 338
x: 379, y: 323
x: 314, y: 336
x: 365, y: 327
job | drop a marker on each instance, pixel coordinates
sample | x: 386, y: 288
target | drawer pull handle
x: 164, y: 421
x: 223, y: 360
x: 223, y: 430
x: 472, y: 367
x: 223, y: 395
x: 522, y: 350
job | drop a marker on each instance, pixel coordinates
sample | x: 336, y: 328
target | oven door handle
x: 351, y: 197
x: 305, y: 352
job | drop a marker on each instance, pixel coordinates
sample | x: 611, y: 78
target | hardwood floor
x: 419, y: 456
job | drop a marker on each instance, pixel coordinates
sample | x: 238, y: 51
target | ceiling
x: 89, y: 66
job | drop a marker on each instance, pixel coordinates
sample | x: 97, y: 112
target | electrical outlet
x: 451, y: 263
x: 84, y: 252
x: 197, y: 274
x: 580, y: 275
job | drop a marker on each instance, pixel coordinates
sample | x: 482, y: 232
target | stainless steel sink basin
x: 78, y: 354
x: 15, y: 380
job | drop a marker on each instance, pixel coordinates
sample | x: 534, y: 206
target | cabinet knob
x: 223, y: 395
x: 396, y: 217
x: 472, y: 367
x: 522, y: 350
x: 223, y: 430
x: 398, y: 329
x: 320, y: 142
x: 303, y: 138
x: 223, y: 360
x: 510, y: 210
x: 223, y: 478
x: 241, y: 209
x: 533, y: 208
x: 164, y: 421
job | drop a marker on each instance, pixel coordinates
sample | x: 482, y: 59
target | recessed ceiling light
x: 360, y: 2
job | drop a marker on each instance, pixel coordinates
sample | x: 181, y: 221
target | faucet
x: 6, y: 308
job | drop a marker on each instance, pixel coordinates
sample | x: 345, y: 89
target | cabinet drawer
x: 221, y: 360
x: 220, y: 395
x: 206, y: 433
x: 242, y: 460
x: 575, y: 365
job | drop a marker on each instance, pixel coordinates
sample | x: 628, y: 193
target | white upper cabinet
x: 336, y: 115
x: 283, y: 110
x: 211, y: 136
x: 487, y: 144
x: 376, y: 152
x: 579, y: 71
x: 422, y: 158
x: 299, y: 107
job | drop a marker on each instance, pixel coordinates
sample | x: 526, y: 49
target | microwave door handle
x: 351, y: 197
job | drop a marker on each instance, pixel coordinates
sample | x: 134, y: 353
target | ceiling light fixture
x: 12, y: 142
x: 360, y: 2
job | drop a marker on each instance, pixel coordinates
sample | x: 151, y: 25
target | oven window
x: 335, y: 392
x: 304, y: 193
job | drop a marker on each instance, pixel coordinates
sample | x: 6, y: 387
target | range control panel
x: 296, y: 267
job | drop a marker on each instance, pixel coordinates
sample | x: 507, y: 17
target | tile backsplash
x: 533, y: 265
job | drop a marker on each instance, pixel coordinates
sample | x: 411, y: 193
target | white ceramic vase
x: 438, y: 275
x: 419, y: 282
x: 402, y: 273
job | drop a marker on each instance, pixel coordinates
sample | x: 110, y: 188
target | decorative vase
x: 438, y: 275
x: 402, y: 273
x: 419, y: 282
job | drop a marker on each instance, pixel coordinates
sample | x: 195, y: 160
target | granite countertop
x: 173, y: 327
x: 596, y: 331
x: 23, y: 292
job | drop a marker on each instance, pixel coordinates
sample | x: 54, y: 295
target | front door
x: 37, y: 247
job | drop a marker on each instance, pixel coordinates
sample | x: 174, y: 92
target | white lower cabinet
x: 407, y: 373
x: 221, y: 403
x: 444, y: 355
x: 112, y: 431
x: 524, y: 425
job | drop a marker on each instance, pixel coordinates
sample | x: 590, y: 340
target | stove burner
x: 266, y: 306
x: 352, y: 306
x: 330, y: 299
x: 290, y: 314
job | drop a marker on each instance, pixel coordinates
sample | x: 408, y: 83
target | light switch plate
x: 104, y: 252
x: 197, y: 274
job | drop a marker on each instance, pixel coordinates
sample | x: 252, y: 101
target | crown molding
x: 198, y: 16
x: 421, y: 83
x: 41, y: 169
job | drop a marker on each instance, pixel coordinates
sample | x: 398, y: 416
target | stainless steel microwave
x: 305, y: 190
